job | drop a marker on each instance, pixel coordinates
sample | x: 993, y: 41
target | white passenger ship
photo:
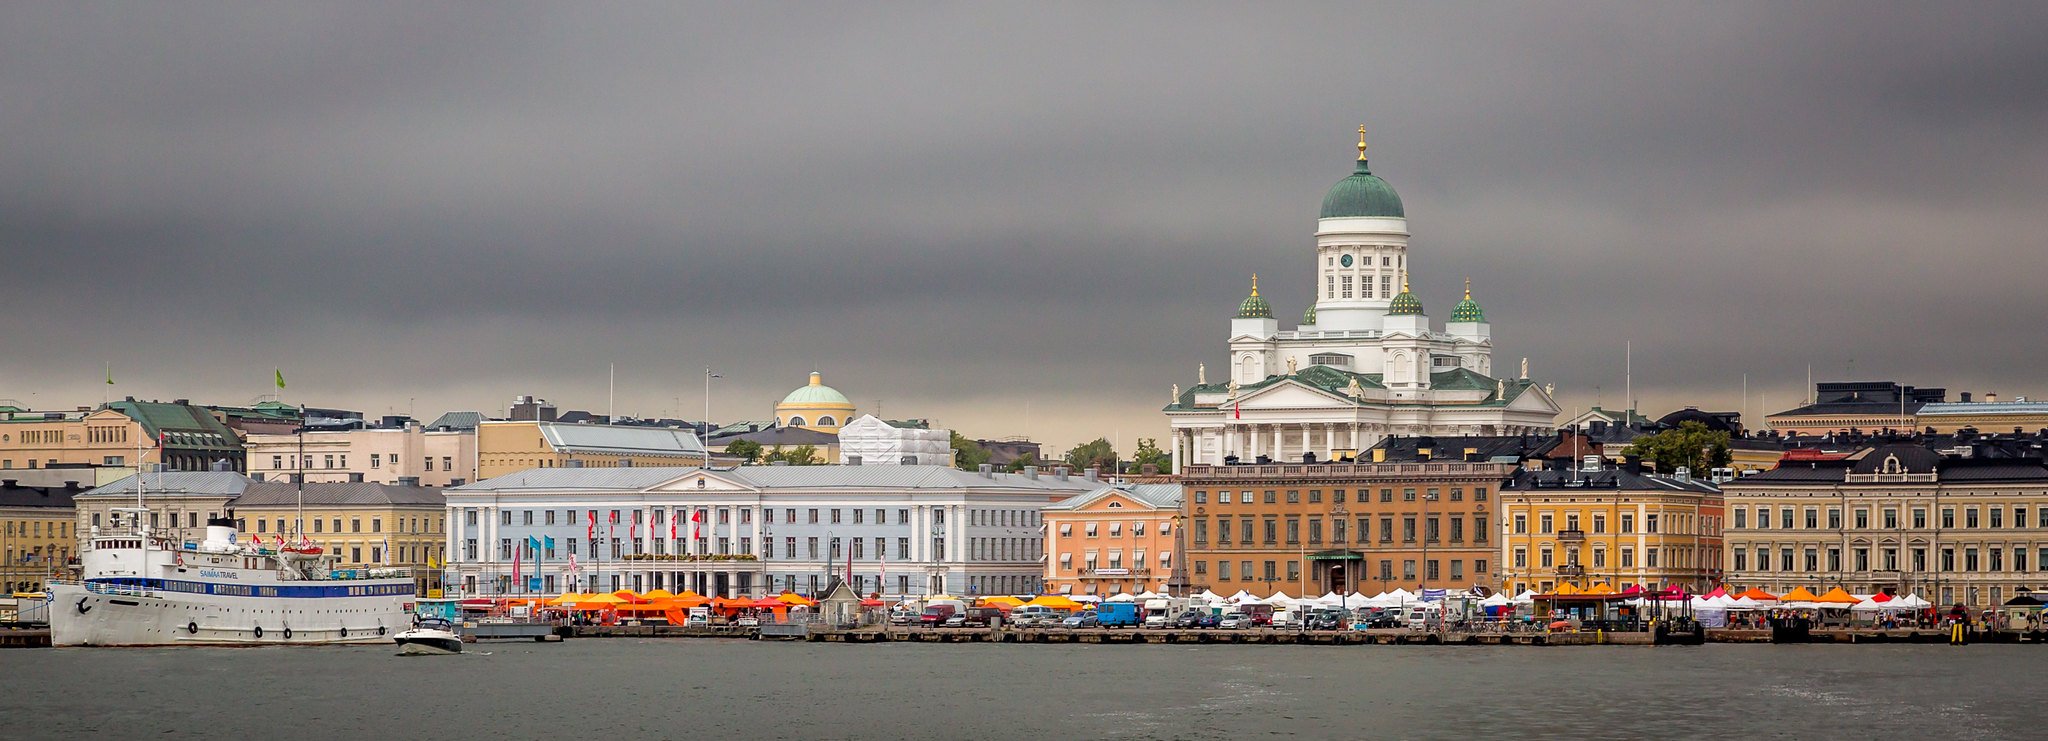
x: 139, y: 589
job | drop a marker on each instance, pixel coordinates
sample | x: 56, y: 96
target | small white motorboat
x: 431, y: 636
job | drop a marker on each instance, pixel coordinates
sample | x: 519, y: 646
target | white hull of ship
x: 85, y: 618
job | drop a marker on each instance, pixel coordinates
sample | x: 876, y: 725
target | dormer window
x: 1891, y: 464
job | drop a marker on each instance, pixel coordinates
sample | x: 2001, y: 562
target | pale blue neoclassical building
x: 754, y: 530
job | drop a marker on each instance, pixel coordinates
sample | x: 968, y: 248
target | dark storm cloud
x: 1019, y: 221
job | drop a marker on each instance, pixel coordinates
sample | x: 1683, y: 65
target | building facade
x: 1366, y: 527
x: 366, y: 524
x: 753, y: 530
x: 1866, y: 406
x: 387, y: 455
x: 814, y: 407
x: 1599, y: 523
x: 507, y: 446
x: 1118, y: 538
x: 116, y: 436
x: 37, y: 535
x: 1365, y: 361
x: 1989, y: 415
x: 1955, y: 528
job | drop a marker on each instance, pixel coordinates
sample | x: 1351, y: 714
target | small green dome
x: 1404, y: 304
x: 817, y: 393
x: 1255, y: 306
x: 1309, y: 317
x: 1362, y: 195
x: 1468, y: 310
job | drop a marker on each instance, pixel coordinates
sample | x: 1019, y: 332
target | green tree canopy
x: 1097, y: 453
x: 1150, y: 454
x: 968, y: 455
x: 800, y: 455
x: 747, y: 451
x: 1027, y: 459
x: 1692, y: 446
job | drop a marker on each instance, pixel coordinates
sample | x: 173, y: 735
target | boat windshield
x: 434, y: 623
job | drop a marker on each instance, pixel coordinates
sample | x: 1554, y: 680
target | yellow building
x: 1987, y: 416
x: 35, y: 535
x: 509, y: 446
x: 186, y: 437
x: 814, y: 407
x: 365, y: 524
x: 1609, y: 525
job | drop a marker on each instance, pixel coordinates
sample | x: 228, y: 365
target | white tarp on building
x: 873, y: 442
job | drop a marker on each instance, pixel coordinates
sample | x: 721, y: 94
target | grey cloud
x: 966, y: 212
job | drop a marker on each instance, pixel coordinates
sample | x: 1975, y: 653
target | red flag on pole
x: 614, y: 531
x: 592, y: 530
x: 515, y: 562
x: 1235, y: 413
x: 696, y: 524
x: 672, y: 526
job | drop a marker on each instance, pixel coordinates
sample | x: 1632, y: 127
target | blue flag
x: 533, y: 542
x: 551, y: 542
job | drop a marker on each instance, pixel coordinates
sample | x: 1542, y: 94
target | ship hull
x: 80, y: 616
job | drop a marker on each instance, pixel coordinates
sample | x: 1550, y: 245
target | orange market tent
x: 1756, y: 594
x: 567, y: 598
x: 1566, y: 589
x: 1600, y: 588
x: 687, y: 600
x: 629, y: 595
x: 599, y: 602
x: 1002, y: 603
x: 1799, y: 595
x: 1838, y: 596
x: 730, y: 605
x: 659, y: 595
x: 797, y: 600
x: 648, y: 608
x: 778, y: 607
x: 1055, y: 601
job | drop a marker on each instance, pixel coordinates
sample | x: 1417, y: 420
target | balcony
x: 1571, y: 536
x: 1571, y: 569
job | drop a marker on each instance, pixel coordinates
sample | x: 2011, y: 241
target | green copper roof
x: 1255, y: 306
x: 1362, y: 195
x: 1404, y: 304
x: 1309, y: 317
x: 1468, y: 311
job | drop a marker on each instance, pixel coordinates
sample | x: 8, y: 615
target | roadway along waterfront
x: 668, y: 688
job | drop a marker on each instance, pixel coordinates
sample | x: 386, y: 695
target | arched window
x: 796, y: 421
x: 1891, y: 464
x: 825, y: 421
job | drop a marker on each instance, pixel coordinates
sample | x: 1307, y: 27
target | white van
x: 1158, y: 613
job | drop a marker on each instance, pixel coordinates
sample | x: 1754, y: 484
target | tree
x: 968, y: 455
x: 1691, y: 446
x: 747, y: 451
x: 1097, y: 453
x: 1027, y: 459
x: 1150, y: 454
x: 801, y: 455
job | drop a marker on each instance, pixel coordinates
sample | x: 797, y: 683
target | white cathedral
x: 1363, y: 364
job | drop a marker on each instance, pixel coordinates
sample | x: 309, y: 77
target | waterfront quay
x: 1378, y: 636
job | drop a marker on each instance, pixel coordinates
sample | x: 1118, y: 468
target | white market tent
x: 1122, y: 597
x: 1280, y: 599
x: 1496, y: 600
x: 1149, y: 594
x: 1527, y: 597
x: 1240, y: 597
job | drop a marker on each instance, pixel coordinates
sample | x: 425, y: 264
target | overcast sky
x: 1012, y: 221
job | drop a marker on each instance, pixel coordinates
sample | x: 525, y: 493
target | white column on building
x: 1329, y: 440
x: 1279, y: 442
x: 449, y: 533
x: 489, y: 548
x: 1229, y: 435
x: 1252, y: 443
x: 1179, y: 439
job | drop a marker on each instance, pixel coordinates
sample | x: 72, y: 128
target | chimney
x: 1422, y: 454
x: 1092, y: 474
x: 1632, y: 464
x: 1991, y: 398
x: 1031, y: 472
x: 1966, y: 397
x: 1379, y: 455
x: 1061, y: 472
x: 8, y: 483
x: 1597, y: 428
x: 987, y: 471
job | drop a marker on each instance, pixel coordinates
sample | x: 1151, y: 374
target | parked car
x: 936, y: 615
x: 1209, y: 620
x: 1234, y: 621
x: 1329, y: 619
x: 902, y: 616
x: 1083, y: 620
x: 1287, y: 619
x: 956, y: 620
x: 982, y: 617
x: 1034, y: 616
x: 1188, y: 619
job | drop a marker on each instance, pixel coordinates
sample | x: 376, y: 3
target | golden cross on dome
x: 1361, y: 142
x: 1255, y: 284
x: 1468, y: 288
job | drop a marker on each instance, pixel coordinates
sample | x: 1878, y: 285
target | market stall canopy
x: 1123, y: 597
x: 1880, y: 597
x: 1240, y: 596
x: 1149, y: 594
x: 1757, y: 595
x: 599, y: 601
x: 567, y: 598
x: 658, y: 594
x: 1281, y: 598
x: 1913, y: 601
x: 1002, y: 602
x: 770, y: 603
x: 1719, y: 591
x: 1801, y: 594
x: 629, y: 596
x: 1210, y: 595
x: 686, y: 600
x: 798, y: 600
x: 1496, y: 600
x: 1527, y: 596
x: 1055, y: 601
x: 1838, y: 596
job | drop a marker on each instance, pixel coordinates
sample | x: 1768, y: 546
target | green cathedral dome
x: 1468, y: 310
x: 1363, y: 194
x: 1404, y: 304
x: 1255, y: 306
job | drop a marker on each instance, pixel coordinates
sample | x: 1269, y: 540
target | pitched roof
x: 570, y: 438
x: 183, y: 425
x: 458, y: 420
x: 16, y: 495
x: 1611, y: 479
x: 1156, y: 496
x: 774, y: 436
x: 778, y: 477
x: 271, y: 493
x: 200, y: 483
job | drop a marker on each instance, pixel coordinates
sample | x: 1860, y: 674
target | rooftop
x: 776, y: 477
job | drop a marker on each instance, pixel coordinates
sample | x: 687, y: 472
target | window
x: 1862, y: 519
x: 1544, y: 524
x: 859, y: 517
x: 1650, y: 523
x: 1293, y: 496
x: 1785, y: 518
x: 1222, y: 530
x: 1386, y: 495
x: 1741, y: 556
x: 1201, y: 497
x: 1272, y: 497
x: 1222, y: 570
x: 1948, y: 517
x: 1600, y: 523
x: 1521, y: 524
x: 1970, y: 518
x: 1628, y: 524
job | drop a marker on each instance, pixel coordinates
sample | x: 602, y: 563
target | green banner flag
x: 280, y: 378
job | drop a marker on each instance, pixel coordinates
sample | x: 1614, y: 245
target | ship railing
x: 362, y: 574
x: 119, y: 590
